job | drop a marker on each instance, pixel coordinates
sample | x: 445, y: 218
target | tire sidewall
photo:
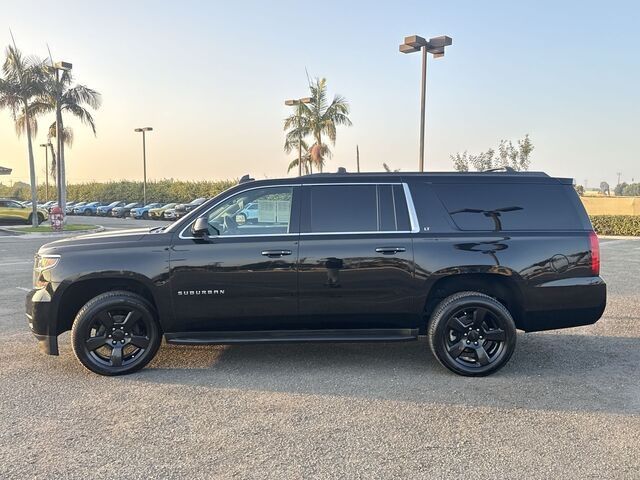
x: 83, y: 322
x: 438, y: 330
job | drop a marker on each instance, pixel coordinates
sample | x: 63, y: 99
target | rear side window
x: 519, y: 206
x: 355, y: 208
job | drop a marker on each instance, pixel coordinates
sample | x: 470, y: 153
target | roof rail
x: 500, y: 169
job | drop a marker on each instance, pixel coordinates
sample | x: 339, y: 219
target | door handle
x: 276, y: 253
x: 390, y: 250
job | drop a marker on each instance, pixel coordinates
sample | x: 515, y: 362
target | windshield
x: 131, y: 205
x: 92, y: 204
x: 169, y: 205
x: 113, y: 204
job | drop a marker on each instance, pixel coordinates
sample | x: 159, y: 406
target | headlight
x: 41, y: 265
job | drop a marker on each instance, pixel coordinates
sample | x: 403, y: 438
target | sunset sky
x: 211, y: 79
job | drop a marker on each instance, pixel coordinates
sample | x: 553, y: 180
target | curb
x: 618, y: 237
x: 13, y: 232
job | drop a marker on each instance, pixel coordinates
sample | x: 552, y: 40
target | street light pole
x: 144, y: 130
x: 46, y: 170
x: 297, y: 103
x: 435, y: 46
x: 60, y: 167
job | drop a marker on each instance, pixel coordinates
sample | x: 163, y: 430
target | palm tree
x: 67, y: 138
x: 71, y: 99
x: 22, y: 83
x: 318, y: 118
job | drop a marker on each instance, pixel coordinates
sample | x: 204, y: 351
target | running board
x: 292, y: 336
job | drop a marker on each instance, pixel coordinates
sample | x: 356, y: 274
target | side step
x: 292, y: 336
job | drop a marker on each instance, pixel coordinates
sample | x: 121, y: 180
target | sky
x: 211, y: 79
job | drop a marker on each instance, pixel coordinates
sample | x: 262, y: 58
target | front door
x: 356, y: 258
x: 243, y: 276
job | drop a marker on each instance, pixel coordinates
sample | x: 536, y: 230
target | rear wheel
x: 472, y: 334
x: 87, y: 213
x: 145, y: 215
x: 115, y: 333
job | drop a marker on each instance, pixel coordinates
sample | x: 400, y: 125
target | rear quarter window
x: 510, y: 207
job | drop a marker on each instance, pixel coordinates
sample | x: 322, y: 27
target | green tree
x: 619, y: 189
x: 76, y: 100
x: 505, y: 155
x: 317, y: 119
x: 21, y: 84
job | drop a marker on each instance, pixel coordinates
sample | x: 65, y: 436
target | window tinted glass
x: 343, y: 208
x: 399, y: 201
x: 386, y: 210
x: 522, y: 206
x: 261, y: 211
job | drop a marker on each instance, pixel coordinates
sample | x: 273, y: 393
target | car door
x: 244, y: 275
x: 356, y: 266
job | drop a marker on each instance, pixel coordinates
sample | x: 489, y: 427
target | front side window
x: 262, y: 211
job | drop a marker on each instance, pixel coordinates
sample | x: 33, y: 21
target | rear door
x: 356, y: 258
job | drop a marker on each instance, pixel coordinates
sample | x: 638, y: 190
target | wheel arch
x: 504, y: 286
x: 80, y: 291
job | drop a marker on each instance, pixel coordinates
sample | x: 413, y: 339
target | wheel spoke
x: 456, y: 349
x: 130, y: 320
x: 105, y: 319
x: 495, y: 335
x: 139, y: 341
x: 94, y: 343
x: 116, y: 356
x: 456, y: 324
x: 478, y: 317
x: 483, y: 358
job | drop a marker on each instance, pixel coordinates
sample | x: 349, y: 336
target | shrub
x: 616, y: 224
x: 128, y: 191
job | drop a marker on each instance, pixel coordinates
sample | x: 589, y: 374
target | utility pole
x: 144, y: 130
x: 46, y: 170
x: 619, y: 175
x: 358, y: 158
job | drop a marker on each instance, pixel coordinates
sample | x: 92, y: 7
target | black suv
x: 464, y: 258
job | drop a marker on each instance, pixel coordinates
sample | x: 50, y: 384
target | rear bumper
x: 570, y: 302
x: 41, y: 319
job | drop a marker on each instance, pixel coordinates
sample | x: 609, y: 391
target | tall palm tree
x: 319, y: 118
x: 71, y: 99
x: 22, y: 84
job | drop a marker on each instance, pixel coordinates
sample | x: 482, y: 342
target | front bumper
x: 41, y: 318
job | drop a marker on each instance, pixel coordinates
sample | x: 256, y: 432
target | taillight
x: 594, y: 246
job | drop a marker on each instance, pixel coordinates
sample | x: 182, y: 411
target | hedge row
x: 127, y: 191
x: 628, y: 225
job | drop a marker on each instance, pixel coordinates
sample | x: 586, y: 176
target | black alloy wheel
x: 472, y: 334
x: 115, y: 333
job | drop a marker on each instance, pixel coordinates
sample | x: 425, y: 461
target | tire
x: 145, y: 215
x: 87, y: 213
x: 115, y: 333
x: 472, y: 334
x: 30, y: 219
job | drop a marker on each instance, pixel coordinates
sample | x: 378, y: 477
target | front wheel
x: 87, y: 213
x: 115, y: 333
x: 472, y: 334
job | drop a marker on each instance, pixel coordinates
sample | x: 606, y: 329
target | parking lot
x: 567, y: 404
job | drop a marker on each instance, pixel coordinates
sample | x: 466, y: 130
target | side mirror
x: 200, y: 227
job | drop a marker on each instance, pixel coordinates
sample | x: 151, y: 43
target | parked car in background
x: 14, y: 211
x: 87, y: 209
x: 248, y: 214
x: 170, y: 214
x: 69, y: 209
x: 143, y: 212
x: 124, y: 210
x: 105, y: 210
x: 158, y: 213
x: 182, y: 209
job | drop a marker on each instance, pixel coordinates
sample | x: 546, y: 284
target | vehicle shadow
x: 563, y: 372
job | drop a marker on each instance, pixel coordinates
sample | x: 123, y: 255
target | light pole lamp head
x: 291, y: 103
x: 45, y: 144
x: 66, y: 66
x: 144, y: 129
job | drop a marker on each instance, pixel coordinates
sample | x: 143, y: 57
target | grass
x: 47, y: 229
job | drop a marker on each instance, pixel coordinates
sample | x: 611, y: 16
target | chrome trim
x: 413, y: 217
x: 227, y: 198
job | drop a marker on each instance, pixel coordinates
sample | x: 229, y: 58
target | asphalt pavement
x: 566, y: 406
